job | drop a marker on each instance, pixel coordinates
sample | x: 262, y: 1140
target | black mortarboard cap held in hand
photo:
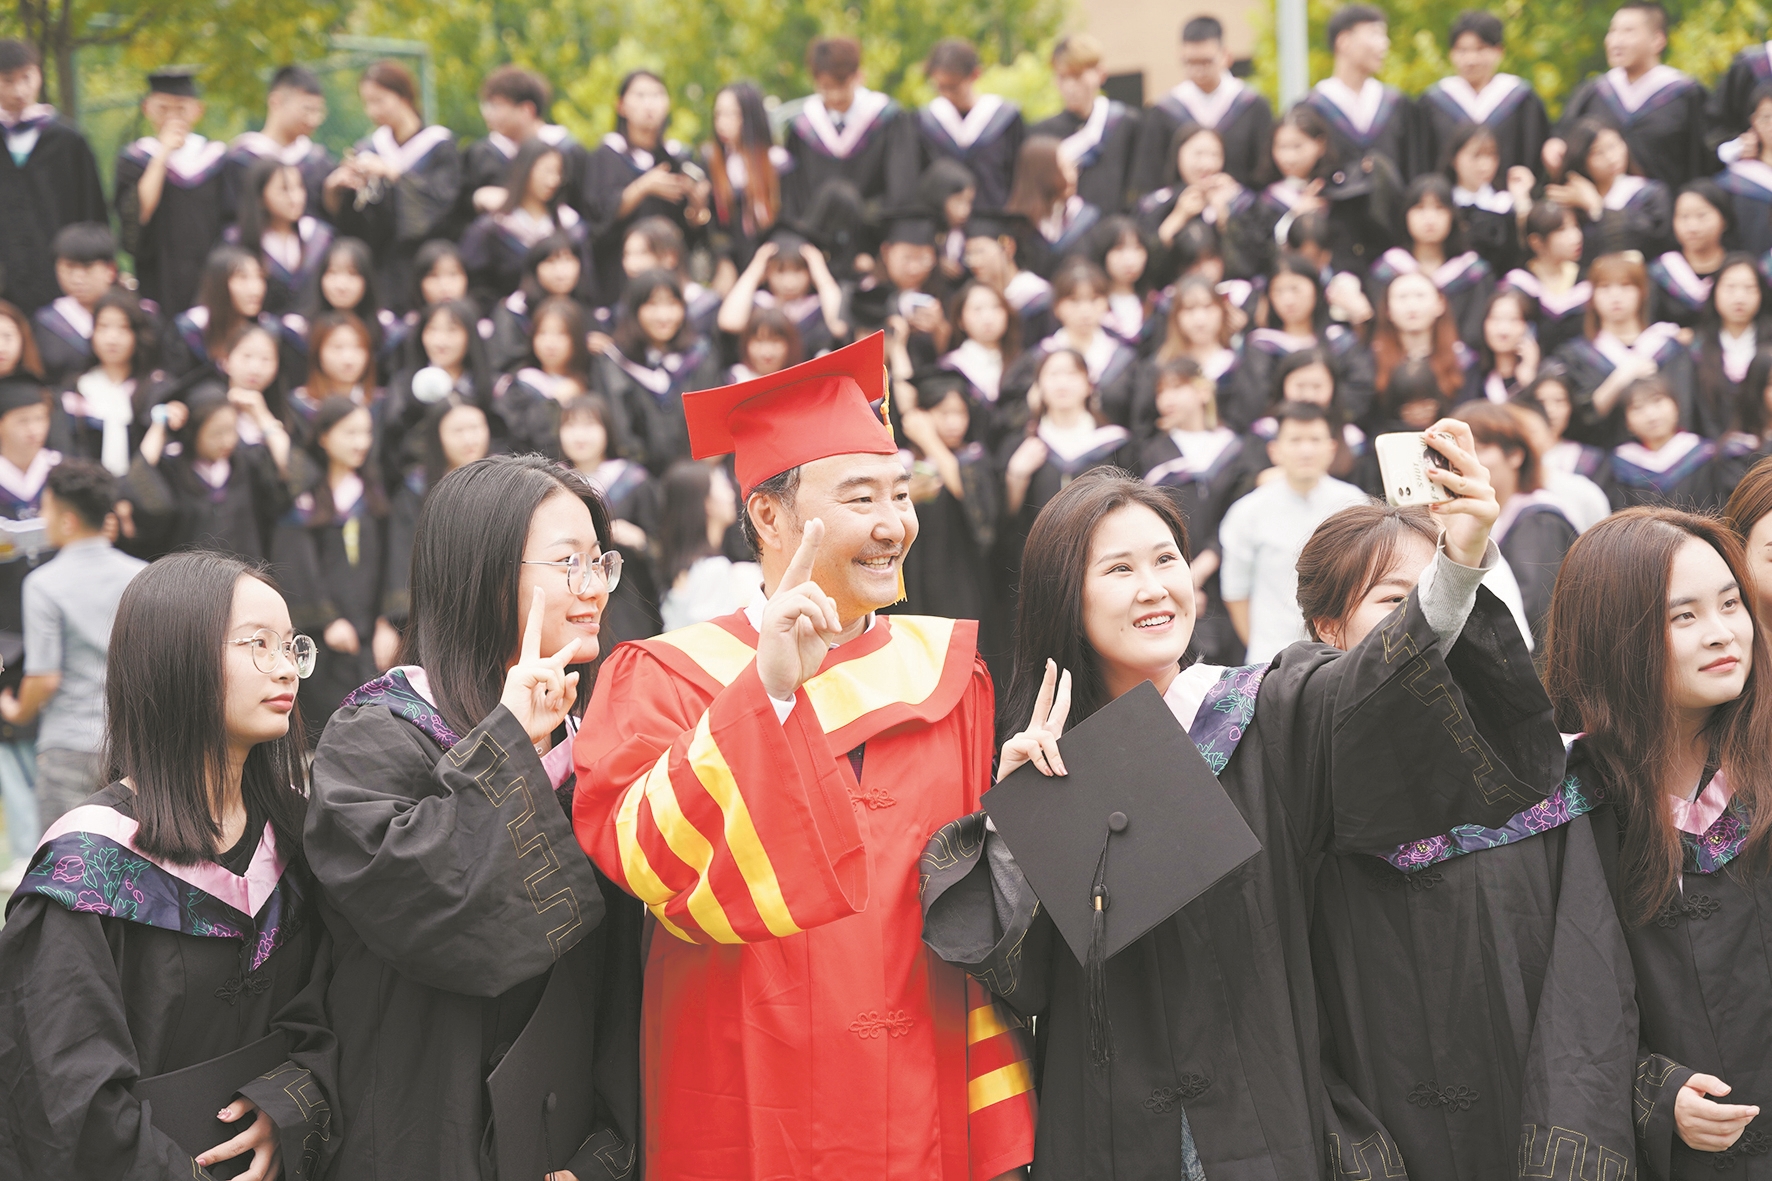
x: 1137, y: 830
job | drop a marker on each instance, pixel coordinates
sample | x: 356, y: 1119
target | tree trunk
x: 66, y: 81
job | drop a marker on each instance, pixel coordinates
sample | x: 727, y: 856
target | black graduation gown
x: 57, y: 185
x: 862, y: 154
x: 1703, y: 986
x: 1389, y: 134
x: 65, y: 350
x: 1115, y: 380
x: 1246, y: 126
x: 487, y: 163
x: 1588, y: 367
x: 948, y: 571
x: 1464, y: 281
x: 633, y: 496
x: 286, y: 289
x: 1728, y: 110
x: 1494, y: 231
x: 99, y: 989
x: 1359, y: 231
x: 1749, y: 185
x: 1681, y: 475
x: 609, y: 169
x: 1114, y: 448
x: 1166, y: 262
x: 1677, y: 292
x: 651, y: 400
x: 313, y: 161
x: 1214, y: 1014
x: 1534, y: 545
x: 1515, y: 115
x: 1644, y: 222
x: 1251, y: 389
x: 1204, y: 496
x: 1558, y: 319
x: 1479, y: 1001
x: 446, y: 930
x: 331, y: 570
x: 494, y: 255
x: 1667, y: 134
x: 236, y: 518
x: 1104, y: 168
x: 413, y: 208
x: 170, y: 250
x: 990, y: 156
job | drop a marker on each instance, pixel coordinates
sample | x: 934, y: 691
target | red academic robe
x: 794, y: 1023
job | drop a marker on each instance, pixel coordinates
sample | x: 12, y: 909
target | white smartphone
x: 1406, y: 464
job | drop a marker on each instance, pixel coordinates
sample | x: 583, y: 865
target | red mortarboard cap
x: 813, y: 410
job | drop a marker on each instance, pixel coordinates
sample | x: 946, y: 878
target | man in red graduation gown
x: 764, y: 783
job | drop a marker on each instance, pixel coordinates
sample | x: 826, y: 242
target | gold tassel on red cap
x: 886, y: 420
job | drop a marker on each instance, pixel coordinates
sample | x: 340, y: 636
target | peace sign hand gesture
x: 799, y: 623
x: 1038, y: 743
x: 539, y: 691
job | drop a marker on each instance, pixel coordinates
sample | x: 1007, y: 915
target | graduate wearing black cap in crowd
x: 295, y: 107
x: 170, y: 193
x: 48, y: 179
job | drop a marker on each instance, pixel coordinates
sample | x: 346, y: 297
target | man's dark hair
x: 1486, y: 26
x: 951, y: 56
x: 1656, y: 13
x: 84, y: 242
x: 1301, y: 412
x: 1202, y: 28
x: 783, y: 488
x: 298, y: 78
x: 86, y: 487
x: 1354, y: 14
x: 16, y: 55
x: 517, y: 86
x: 834, y: 57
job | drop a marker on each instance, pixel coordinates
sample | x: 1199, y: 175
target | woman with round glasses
x: 469, y: 928
x: 166, y: 924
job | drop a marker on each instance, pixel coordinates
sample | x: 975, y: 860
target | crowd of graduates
x: 1226, y: 305
x: 308, y: 343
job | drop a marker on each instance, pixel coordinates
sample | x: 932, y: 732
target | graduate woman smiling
x: 469, y: 926
x: 1212, y: 1065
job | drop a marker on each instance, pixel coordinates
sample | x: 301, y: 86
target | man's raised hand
x: 799, y: 623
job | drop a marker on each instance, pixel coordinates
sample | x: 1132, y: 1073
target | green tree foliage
x: 1553, y: 44
x: 586, y: 46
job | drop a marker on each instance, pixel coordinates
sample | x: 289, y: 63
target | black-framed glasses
x: 267, y: 648
x: 586, y: 575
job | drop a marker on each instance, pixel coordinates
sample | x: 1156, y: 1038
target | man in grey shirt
x: 69, y: 604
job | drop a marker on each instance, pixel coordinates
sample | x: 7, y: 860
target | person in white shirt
x: 1262, y: 534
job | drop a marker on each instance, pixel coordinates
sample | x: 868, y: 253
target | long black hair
x: 147, y: 338
x: 253, y: 216
x: 558, y: 242
x: 356, y: 252
x: 522, y: 166
x: 683, y: 524
x: 1049, y: 616
x: 642, y: 287
x: 1438, y: 188
x: 466, y: 561
x: 334, y: 410
x: 166, y: 705
x: 212, y: 292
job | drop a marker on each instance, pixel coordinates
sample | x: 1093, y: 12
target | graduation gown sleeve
x: 731, y: 824
x: 469, y: 882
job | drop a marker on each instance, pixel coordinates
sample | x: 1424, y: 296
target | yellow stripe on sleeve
x: 747, y: 850
x: 1006, y: 1082
x: 690, y: 847
x: 984, y: 1023
x: 641, y: 879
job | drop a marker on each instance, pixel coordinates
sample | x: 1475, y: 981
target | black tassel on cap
x: 1101, y: 1032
